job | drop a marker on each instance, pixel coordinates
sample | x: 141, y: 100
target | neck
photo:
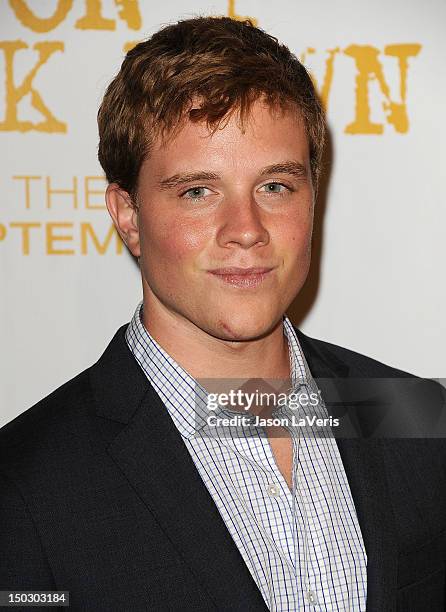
x: 206, y: 356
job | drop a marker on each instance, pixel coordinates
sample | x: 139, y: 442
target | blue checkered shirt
x: 303, y: 546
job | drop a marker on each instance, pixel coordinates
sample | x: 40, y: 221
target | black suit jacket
x: 100, y: 497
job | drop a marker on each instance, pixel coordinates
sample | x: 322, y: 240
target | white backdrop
x: 378, y: 280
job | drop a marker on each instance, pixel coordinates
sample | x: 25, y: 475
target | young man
x: 113, y: 489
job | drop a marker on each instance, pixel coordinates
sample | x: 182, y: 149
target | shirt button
x: 273, y: 490
x: 311, y: 597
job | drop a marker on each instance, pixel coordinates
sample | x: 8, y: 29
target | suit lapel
x: 152, y: 455
x: 364, y: 466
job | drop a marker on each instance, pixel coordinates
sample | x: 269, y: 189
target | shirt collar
x: 183, y: 396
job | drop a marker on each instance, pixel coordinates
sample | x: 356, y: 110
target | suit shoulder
x: 363, y: 364
x: 48, y: 419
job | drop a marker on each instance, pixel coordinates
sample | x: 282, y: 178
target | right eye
x: 196, y: 193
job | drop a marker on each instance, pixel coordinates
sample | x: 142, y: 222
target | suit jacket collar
x: 152, y: 455
x: 364, y: 465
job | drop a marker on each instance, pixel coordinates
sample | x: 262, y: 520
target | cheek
x: 295, y: 237
x: 190, y: 237
x: 172, y: 243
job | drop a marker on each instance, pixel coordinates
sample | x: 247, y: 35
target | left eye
x: 196, y: 193
x: 274, y: 188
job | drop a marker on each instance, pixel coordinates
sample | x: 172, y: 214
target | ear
x: 125, y: 217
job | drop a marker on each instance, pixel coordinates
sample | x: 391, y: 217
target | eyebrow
x: 294, y: 168
x: 188, y: 177
x: 288, y: 167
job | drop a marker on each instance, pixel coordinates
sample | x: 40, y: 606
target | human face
x: 225, y: 224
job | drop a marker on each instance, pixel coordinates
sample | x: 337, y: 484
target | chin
x: 240, y: 327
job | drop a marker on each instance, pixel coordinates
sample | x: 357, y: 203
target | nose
x: 242, y: 225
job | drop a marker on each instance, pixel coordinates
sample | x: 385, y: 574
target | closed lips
x: 240, y: 271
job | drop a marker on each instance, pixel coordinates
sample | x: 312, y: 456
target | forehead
x: 263, y: 132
